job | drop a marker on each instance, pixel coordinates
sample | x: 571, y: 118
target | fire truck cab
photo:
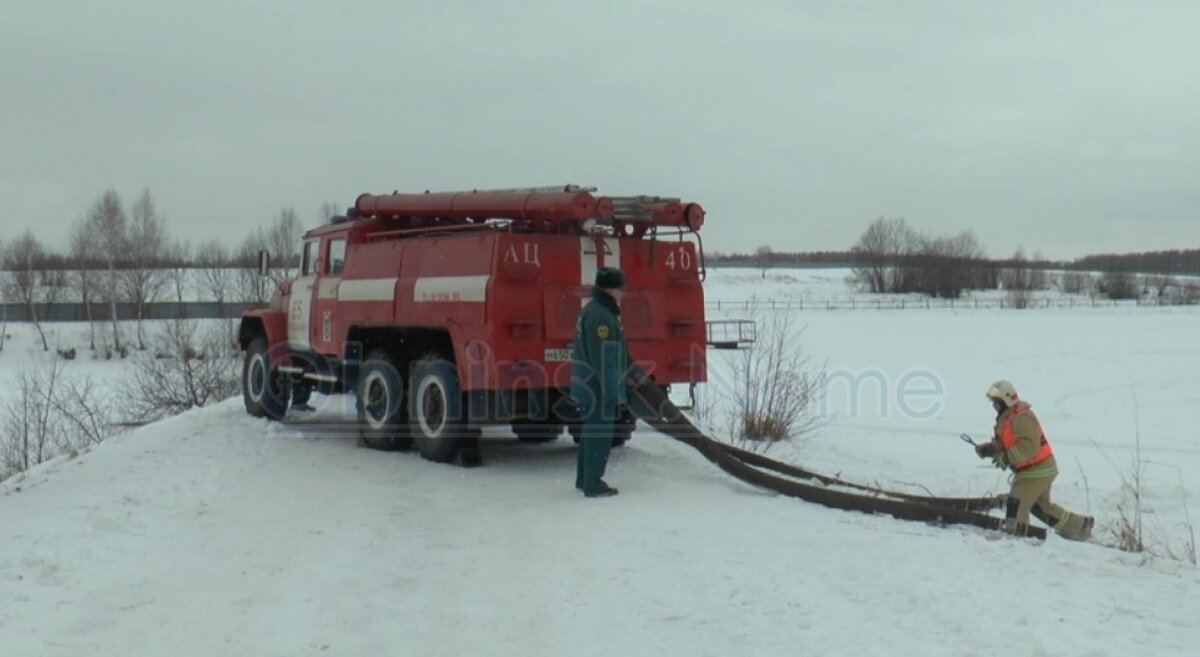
x: 446, y: 312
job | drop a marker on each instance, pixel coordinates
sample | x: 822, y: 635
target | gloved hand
x: 1000, y: 460
x: 984, y: 450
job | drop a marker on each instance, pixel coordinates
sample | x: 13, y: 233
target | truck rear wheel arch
x: 248, y: 329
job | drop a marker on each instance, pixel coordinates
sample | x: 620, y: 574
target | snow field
x: 215, y: 533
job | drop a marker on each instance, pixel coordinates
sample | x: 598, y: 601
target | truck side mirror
x: 264, y: 263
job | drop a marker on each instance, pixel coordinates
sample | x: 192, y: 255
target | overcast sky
x: 1070, y: 127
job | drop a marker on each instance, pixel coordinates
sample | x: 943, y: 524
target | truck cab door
x: 329, y: 278
x: 301, y: 299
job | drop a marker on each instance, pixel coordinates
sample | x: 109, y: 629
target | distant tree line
x: 893, y: 257
x: 1186, y: 261
x: 119, y: 253
x: 765, y: 256
x: 1179, y: 262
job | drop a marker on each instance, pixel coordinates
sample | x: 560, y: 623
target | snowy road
x: 213, y: 533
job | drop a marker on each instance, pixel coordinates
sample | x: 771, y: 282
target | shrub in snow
x: 1129, y: 530
x: 773, y: 393
x: 1119, y: 285
x: 185, y: 368
x: 1074, y: 282
x: 52, y: 413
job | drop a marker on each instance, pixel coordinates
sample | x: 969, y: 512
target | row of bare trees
x: 894, y: 257
x: 126, y: 255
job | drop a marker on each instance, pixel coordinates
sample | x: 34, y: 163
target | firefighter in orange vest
x: 1020, y: 444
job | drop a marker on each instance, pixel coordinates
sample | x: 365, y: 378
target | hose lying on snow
x: 965, y: 503
x: 652, y: 405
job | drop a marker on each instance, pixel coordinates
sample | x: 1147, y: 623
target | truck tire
x: 379, y: 392
x: 435, y: 410
x: 265, y: 389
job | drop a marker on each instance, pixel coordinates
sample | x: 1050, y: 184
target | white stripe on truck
x: 367, y: 289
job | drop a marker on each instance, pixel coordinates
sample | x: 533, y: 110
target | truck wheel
x: 436, y: 409
x: 382, y: 422
x: 264, y: 387
x: 535, y: 431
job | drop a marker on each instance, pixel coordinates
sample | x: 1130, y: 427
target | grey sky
x: 1066, y: 126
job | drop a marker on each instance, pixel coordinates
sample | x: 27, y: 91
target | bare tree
x: 23, y: 258
x: 84, y: 253
x: 1160, y: 283
x: 328, y: 210
x: 781, y: 391
x: 87, y: 411
x: 251, y: 287
x: 212, y: 259
x: 146, y: 244
x: 30, y: 424
x: 53, y: 281
x: 1017, y: 280
x: 872, y: 252
x: 1118, y: 285
x: 283, y: 242
x: 763, y: 257
x: 944, y: 266
x: 183, y: 371
x: 50, y: 414
x: 107, y: 223
x: 884, y: 256
x: 1075, y: 282
x: 1037, y: 272
x: 178, y: 259
x: 3, y: 302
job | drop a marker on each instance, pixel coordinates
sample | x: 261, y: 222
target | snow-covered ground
x: 817, y: 286
x: 214, y: 533
x: 23, y: 348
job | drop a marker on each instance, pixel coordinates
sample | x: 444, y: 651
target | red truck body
x: 491, y: 282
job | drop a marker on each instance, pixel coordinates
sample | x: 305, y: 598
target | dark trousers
x: 592, y: 459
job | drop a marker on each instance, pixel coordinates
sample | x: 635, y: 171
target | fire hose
x: 652, y: 405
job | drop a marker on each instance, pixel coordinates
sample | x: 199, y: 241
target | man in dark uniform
x: 598, y: 379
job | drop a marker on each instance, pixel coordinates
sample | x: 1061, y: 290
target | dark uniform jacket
x: 600, y: 358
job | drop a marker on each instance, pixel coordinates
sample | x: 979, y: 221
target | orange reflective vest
x: 1008, y: 439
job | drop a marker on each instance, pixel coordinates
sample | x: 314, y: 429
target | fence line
x: 77, y: 312
x: 939, y: 304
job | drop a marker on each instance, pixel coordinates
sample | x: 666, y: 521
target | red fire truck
x: 445, y: 312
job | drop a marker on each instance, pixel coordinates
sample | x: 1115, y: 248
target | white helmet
x: 1003, y: 391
